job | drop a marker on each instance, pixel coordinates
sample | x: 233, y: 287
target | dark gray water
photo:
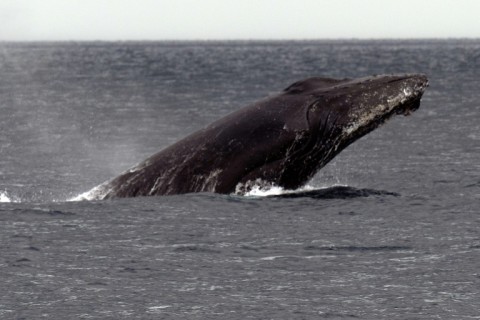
x: 391, y: 229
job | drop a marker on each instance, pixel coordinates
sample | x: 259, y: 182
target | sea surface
x: 388, y: 230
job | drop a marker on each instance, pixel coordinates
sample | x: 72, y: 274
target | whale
x: 282, y: 140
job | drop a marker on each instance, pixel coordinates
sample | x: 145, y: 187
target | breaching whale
x: 282, y: 140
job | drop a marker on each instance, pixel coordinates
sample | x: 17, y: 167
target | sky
x: 114, y: 20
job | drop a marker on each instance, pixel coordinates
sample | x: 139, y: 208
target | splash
x: 97, y: 193
x: 262, y: 191
x: 5, y: 198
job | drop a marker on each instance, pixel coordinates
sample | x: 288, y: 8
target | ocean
x: 390, y: 229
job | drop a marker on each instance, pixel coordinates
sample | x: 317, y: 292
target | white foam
x: 5, y: 198
x: 81, y: 197
x: 97, y: 193
x: 262, y: 191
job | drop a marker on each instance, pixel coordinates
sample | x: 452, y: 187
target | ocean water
x: 388, y: 230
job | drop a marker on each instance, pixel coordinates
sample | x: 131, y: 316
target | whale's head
x: 338, y: 112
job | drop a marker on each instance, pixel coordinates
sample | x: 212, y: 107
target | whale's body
x: 282, y: 140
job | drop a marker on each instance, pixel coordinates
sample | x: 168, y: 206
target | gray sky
x: 236, y: 19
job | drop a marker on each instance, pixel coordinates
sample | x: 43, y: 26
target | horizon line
x: 248, y: 39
